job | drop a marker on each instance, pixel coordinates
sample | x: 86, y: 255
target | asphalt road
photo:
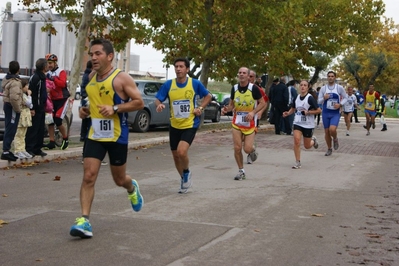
x: 336, y: 210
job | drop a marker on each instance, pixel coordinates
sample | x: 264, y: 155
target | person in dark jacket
x: 85, y: 80
x: 37, y: 84
x: 12, y: 99
x: 279, y: 99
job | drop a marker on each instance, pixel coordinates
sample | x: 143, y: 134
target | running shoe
x: 347, y: 133
x: 297, y: 165
x: 240, y: 175
x: 64, y: 144
x: 181, y: 189
x: 368, y: 133
x: 249, y: 160
x: 104, y: 163
x: 254, y: 155
x: 364, y: 127
x: 81, y: 228
x: 336, y: 144
x: 135, y: 198
x: 329, y: 152
x: 49, y: 146
x: 20, y: 155
x: 373, y: 125
x: 315, y: 143
x: 187, y: 182
x: 27, y: 155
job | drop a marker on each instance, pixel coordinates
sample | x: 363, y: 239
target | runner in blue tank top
x: 333, y: 97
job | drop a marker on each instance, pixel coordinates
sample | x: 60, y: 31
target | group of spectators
x: 25, y: 105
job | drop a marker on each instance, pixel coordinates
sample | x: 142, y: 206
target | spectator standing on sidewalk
x: 333, y: 97
x: 59, y: 97
x: 35, y: 133
x: 246, y: 100
x: 305, y: 108
x: 356, y: 93
x: 25, y: 121
x: 185, y: 115
x: 12, y: 98
x: 279, y: 99
x: 85, y: 80
x: 112, y: 94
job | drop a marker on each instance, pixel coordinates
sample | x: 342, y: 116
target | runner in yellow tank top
x: 185, y: 115
x: 370, y: 98
x: 113, y: 128
x: 246, y: 101
x: 112, y: 94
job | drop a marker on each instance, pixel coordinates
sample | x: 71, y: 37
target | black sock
x: 186, y: 171
x: 86, y: 216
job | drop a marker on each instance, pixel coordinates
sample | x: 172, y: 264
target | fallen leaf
x: 3, y: 222
x: 354, y: 253
x: 317, y: 215
x: 5, y: 195
x: 28, y: 174
x: 57, y: 178
x: 373, y: 235
x: 257, y: 230
x: 39, y: 259
x: 44, y: 172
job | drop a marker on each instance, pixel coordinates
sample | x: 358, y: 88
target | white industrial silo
x: 26, y: 43
x: 21, y: 15
x: 59, y: 42
x: 9, y: 47
x: 41, y: 47
x: 134, y: 62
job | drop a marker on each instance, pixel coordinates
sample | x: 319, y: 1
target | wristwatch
x: 201, y: 108
x: 115, y: 107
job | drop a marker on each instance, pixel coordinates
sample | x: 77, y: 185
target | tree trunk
x: 86, y: 19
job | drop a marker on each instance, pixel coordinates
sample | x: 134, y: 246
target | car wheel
x: 142, y: 121
x: 77, y: 96
x: 217, y: 117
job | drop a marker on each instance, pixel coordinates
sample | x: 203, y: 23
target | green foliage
x: 374, y: 62
x: 270, y: 36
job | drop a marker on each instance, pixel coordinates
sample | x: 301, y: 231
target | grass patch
x: 389, y: 113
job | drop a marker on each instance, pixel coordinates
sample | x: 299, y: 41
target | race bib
x: 103, y: 128
x: 369, y: 105
x: 330, y: 104
x: 240, y: 119
x: 181, y: 109
x: 299, y: 118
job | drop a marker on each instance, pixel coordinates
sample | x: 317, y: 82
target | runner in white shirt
x: 305, y: 108
x: 349, y: 107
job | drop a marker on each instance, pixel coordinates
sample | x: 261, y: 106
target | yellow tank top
x: 243, y: 104
x: 370, y: 101
x: 106, y: 129
x: 182, y: 105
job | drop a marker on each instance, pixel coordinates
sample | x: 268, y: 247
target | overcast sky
x: 151, y: 59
